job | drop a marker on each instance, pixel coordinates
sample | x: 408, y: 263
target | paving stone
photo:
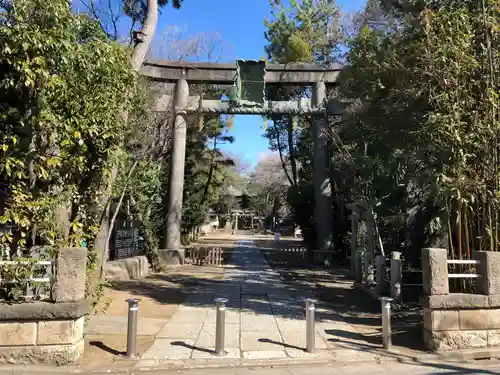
x: 292, y: 310
x: 261, y: 341
x: 207, y: 335
x: 229, y: 293
x: 259, y: 323
x: 254, y: 300
x: 193, y: 309
x: 276, y: 292
x: 257, y: 318
x: 209, y: 353
x: 234, y: 304
x: 251, y: 301
x: 298, y: 339
x: 328, y: 329
x: 352, y: 355
x: 257, y: 311
x: 328, y: 316
x: 252, y: 281
x: 284, y: 315
x: 189, y: 316
x: 287, y: 324
x: 260, y: 291
x: 145, y: 363
x: 180, y: 330
x: 257, y: 354
x: 289, y: 303
x: 256, y: 307
x: 298, y: 353
x: 301, y: 295
x: 204, y: 290
x: 206, y: 298
x: 232, y: 316
x: 170, y: 349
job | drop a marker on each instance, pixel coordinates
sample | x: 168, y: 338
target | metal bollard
x: 133, y: 307
x: 220, y: 325
x: 310, y: 330
x: 386, y: 322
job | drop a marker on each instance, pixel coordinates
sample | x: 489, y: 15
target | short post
x: 133, y: 307
x: 310, y: 330
x: 386, y: 322
x: 435, y: 271
x: 277, y: 237
x: 361, y: 252
x: 354, y: 243
x: 379, y: 273
x: 396, y: 275
x: 220, y: 329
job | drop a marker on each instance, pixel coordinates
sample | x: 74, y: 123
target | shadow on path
x: 353, y: 305
x: 192, y: 347
x: 102, y: 346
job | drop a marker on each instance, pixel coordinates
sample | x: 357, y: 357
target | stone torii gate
x: 240, y: 74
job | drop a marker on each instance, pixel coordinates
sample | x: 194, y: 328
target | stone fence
x: 459, y: 320
x: 52, y: 331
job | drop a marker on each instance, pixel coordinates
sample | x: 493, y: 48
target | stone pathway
x: 265, y: 319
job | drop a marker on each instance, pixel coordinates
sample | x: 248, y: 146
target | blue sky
x: 241, y: 25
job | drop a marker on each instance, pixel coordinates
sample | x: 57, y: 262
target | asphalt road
x: 393, y: 368
x: 483, y: 367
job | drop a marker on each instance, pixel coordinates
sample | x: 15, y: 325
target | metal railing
x: 300, y: 253
x: 36, y: 281
x: 463, y: 275
x: 285, y: 256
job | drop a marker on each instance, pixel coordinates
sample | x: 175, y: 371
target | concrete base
x: 58, y: 342
x: 47, y: 354
x: 170, y: 257
x: 127, y: 269
x: 452, y: 329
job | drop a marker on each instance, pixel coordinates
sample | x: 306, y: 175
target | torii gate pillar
x: 173, y: 251
x: 322, y: 188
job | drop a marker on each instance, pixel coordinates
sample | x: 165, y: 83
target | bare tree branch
x: 175, y: 44
x: 104, y: 13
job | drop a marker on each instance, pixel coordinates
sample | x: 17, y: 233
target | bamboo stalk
x: 492, y: 246
x: 495, y: 243
x: 459, y: 240
x: 466, y: 228
x: 480, y: 225
x: 459, y: 230
x: 450, y: 234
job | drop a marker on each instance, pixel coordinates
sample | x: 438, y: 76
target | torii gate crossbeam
x: 223, y: 74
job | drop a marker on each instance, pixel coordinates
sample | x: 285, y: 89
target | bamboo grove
x: 420, y: 136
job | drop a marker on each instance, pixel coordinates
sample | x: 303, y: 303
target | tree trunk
x: 280, y: 151
x: 210, y: 172
x: 105, y: 249
x: 104, y: 223
x: 144, y: 37
x: 142, y: 40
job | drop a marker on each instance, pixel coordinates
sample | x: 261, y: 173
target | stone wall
x: 461, y: 321
x: 48, y: 332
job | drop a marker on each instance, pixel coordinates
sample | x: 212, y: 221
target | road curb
x: 476, y: 356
